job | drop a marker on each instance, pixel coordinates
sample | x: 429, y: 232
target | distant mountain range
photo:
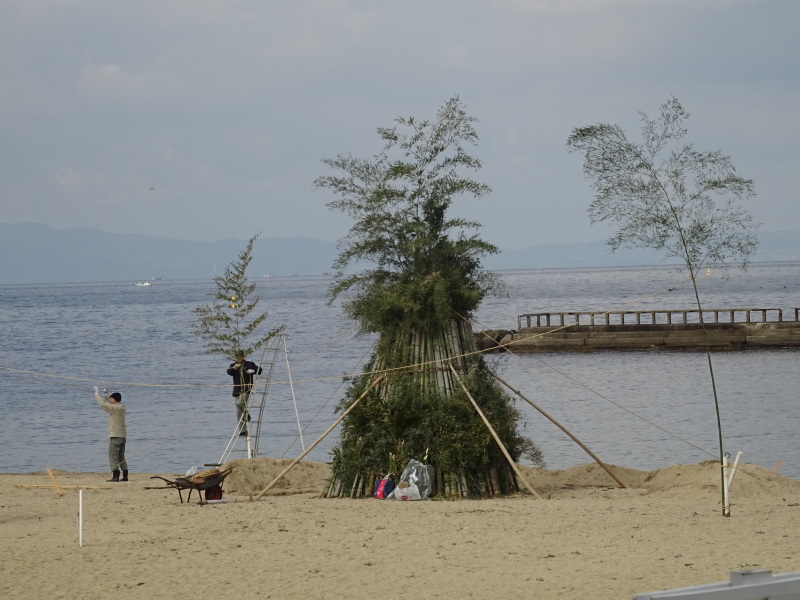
x: 35, y: 253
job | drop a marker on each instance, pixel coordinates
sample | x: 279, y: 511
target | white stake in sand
x: 80, y: 518
x: 729, y: 475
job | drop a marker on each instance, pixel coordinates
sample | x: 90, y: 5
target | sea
x: 642, y: 410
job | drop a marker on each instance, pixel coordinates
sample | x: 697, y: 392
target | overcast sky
x: 207, y: 119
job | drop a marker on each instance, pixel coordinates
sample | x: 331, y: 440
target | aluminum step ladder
x: 255, y: 405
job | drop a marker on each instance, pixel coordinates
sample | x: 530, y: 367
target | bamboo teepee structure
x: 410, y: 270
x: 421, y: 409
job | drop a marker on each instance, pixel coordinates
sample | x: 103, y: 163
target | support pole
x: 319, y: 439
x: 291, y: 387
x: 728, y: 474
x: 726, y: 509
x: 80, y: 518
x: 494, y: 433
x: 59, y: 491
x: 562, y: 428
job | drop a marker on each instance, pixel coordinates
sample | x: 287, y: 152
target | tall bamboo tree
x: 414, y: 276
x: 230, y: 324
x: 666, y: 195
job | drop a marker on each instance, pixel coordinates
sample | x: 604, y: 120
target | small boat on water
x: 142, y: 283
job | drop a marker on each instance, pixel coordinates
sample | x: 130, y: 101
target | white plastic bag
x: 409, y: 492
x: 416, y: 482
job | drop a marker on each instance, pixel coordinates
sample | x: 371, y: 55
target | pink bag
x: 383, y: 488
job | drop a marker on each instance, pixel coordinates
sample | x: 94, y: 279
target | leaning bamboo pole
x: 511, y: 462
x: 439, y: 349
x: 562, y: 428
x: 319, y: 439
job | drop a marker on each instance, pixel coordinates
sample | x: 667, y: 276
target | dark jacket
x: 238, y: 375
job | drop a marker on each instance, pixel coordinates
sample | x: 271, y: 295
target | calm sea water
x: 643, y: 410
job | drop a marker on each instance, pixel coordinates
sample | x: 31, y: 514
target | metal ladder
x: 256, y: 403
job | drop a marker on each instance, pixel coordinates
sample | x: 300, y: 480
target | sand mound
x: 252, y: 475
x: 699, y: 479
x: 750, y: 480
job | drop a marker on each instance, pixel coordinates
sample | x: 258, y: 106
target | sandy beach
x: 584, y: 538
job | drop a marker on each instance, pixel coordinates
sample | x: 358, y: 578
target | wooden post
x: 319, y: 439
x: 494, y: 434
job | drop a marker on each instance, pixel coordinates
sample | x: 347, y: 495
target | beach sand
x: 585, y: 538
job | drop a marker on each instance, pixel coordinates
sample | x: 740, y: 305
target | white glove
x: 105, y: 391
x: 250, y: 371
x: 96, y: 391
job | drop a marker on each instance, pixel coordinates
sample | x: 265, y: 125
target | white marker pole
x: 733, y: 470
x: 80, y: 518
x: 726, y: 509
x: 730, y: 473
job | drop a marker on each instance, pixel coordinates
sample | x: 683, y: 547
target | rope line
x: 373, y: 372
x: 567, y: 393
x: 378, y: 372
x: 314, y: 418
x: 175, y: 432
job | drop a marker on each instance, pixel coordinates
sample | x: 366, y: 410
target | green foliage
x: 425, y: 267
x: 405, y: 419
x: 666, y: 195
x: 414, y: 272
x: 227, y: 324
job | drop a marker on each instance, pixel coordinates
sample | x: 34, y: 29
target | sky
x: 208, y: 119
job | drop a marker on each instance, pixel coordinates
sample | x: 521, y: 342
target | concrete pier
x: 580, y: 331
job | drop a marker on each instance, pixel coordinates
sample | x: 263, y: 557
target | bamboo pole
x: 439, y: 351
x: 430, y: 364
x: 453, y: 485
x: 423, y: 373
x: 49, y: 486
x: 511, y: 463
x: 325, y: 487
x: 356, y: 481
x: 319, y: 439
x: 451, y: 348
x: 415, y: 351
x: 466, y: 343
x: 562, y: 428
x: 59, y: 491
x: 493, y: 481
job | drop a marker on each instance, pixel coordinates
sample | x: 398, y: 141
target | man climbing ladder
x: 242, y: 372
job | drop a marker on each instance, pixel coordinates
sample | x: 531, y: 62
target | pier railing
x: 656, y: 317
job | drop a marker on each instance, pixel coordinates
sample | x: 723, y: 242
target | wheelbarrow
x: 209, y: 481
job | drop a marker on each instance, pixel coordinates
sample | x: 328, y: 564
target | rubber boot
x: 114, y: 475
x: 124, y: 476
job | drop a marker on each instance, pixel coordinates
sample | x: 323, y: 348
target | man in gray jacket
x: 116, y: 432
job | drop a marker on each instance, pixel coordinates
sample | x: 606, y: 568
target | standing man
x: 116, y: 432
x: 242, y: 372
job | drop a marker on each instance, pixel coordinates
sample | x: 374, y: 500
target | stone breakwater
x: 638, y: 337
